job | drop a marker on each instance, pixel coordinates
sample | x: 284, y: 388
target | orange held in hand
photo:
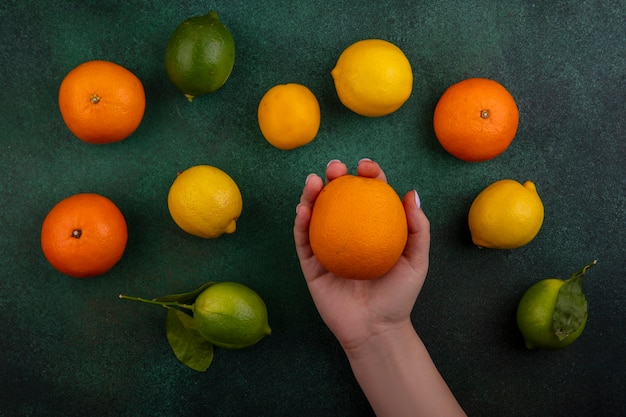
x: 358, y: 227
x: 476, y: 119
x: 84, y: 235
x: 101, y: 102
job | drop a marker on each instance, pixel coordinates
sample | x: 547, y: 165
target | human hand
x: 356, y: 310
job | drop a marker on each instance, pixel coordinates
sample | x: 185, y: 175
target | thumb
x: 417, y: 246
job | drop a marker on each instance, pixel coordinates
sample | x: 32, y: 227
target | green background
x: 72, y: 348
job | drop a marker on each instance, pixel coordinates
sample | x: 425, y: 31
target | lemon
x: 200, y: 55
x: 552, y: 313
x: 506, y: 215
x: 373, y: 77
x: 289, y: 116
x: 205, y: 201
x: 231, y: 315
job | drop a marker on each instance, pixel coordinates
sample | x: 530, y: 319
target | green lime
x: 231, y: 315
x: 200, y: 55
x: 552, y: 313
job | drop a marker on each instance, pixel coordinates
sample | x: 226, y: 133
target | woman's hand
x: 356, y: 310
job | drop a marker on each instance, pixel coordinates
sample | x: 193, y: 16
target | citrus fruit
x: 552, y: 313
x: 205, y: 201
x: 84, y: 235
x: 358, y: 227
x: 200, y: 55
x: 476, y: 119
x: 373, y: 77
x: 506, y: 215
x: 231, y: 315
x: 101, y: 102
x: 289, y: 116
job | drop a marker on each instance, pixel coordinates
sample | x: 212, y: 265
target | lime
x: 200, y: 55
x: 231, y: 315
x: 552, y: 313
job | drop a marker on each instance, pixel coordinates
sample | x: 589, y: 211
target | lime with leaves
x: 200, y: 55
x: 552, y: 313
x: 224, y: 314
x: 231, y: 315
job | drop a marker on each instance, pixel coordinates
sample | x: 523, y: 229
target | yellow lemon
x: 205, y: 201
x: 289, y: 116
x: 506, y: 215
x: 373, y: 77
x: 231, y: 315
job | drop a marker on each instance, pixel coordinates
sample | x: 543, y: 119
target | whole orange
x: 476, y: 119
x: 358, y: 227
x: 101, y: 102
x: 84, y: 235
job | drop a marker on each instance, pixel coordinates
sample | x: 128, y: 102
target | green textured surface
x: 72, y: 348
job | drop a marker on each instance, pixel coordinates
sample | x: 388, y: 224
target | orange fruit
x: 289, y: 116
x: 476, y: 119
x: 358, y: 227
x: 101, y: 102
x: 84, y: 235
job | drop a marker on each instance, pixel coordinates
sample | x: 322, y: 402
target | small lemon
x: 205, y: 201
x: 552, y: 313
x: 231, y: 315
x: 506, y: 215
x: 373, y: 77
x: 200, y: 55
x: 289, y: 116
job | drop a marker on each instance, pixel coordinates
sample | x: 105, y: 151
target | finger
x: 312, y: 187
x: 418, y: 243
x: 334, y: 169
x: 308, y: 262
x: 301, y: 232
x: 370, y: 169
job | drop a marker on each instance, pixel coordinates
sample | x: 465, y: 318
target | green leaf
x: 571, y: 305
x: 184, y: 298
x: 189, y: 347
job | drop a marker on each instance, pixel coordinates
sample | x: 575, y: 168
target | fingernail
x: 364, y: 159
x: 308, y: 177
x: 332, y: 161
x: 298, y: 207
x: 418, y: 202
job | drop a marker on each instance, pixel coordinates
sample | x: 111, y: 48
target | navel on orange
x: 101, y: 102
x: 358, y: 227
x: 476, y: 119
x: 84, y: 235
